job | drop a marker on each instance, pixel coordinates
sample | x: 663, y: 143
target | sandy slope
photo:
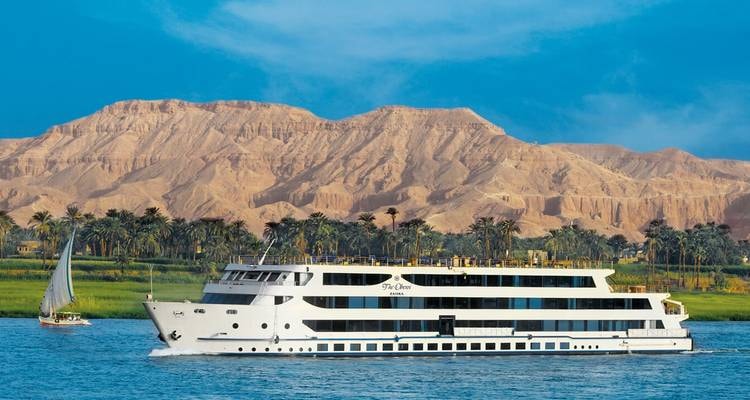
x: 264, y: 161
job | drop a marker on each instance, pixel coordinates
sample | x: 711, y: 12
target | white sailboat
x: 59, y: 294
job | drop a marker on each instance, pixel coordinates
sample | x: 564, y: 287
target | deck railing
x: 447, y: 262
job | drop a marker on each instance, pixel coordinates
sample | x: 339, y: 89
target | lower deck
x: 437, y: 346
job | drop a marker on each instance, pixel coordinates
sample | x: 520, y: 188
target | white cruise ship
x: 313, y: 309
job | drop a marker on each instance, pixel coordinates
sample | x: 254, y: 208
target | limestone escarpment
x: 264, y: 161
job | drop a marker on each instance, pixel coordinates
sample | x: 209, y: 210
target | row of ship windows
x: 255, y: 276
x: 346, y: 279
x: 517, y: 303
x: 500, y: 280
x: 323, y: 347
x: 434, y: 325
x: 449, y: 346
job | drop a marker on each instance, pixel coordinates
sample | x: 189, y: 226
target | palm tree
x: 507, y: 228
x: 73, y: 216
x: 366, y: 222
x: 6, y: 225
x: 483, y: 228
x: 238, y: 228
x: 41, y: 223
x: 271, y: 231
x: 682, y: 243
x: 392, y: 211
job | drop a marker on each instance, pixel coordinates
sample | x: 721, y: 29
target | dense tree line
x: 122, y: 235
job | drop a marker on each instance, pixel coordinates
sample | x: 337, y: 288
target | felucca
x: 59, y: 294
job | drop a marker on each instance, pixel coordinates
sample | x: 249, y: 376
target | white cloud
x: 340, y: 39
x: 715, y: 122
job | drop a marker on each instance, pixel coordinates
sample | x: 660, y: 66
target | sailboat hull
x: 62, y: 322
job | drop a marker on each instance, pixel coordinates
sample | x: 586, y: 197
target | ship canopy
x: 59, y: 292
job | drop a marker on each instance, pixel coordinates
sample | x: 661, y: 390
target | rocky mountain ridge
x: 261, y: 162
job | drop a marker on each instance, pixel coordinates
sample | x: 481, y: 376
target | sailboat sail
x: 59, y: 292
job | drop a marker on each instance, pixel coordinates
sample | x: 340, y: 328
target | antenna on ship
x: 266, y: 252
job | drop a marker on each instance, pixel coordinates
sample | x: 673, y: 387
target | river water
x: 115, y: 359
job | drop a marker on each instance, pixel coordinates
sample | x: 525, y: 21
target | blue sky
x: 642, y: 74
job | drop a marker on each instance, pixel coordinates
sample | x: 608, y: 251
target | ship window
x: 322, y: 347
x: 549, y: 346
x: 338, y: 347
x: 447, y: 346
x: 251, y: 276
x: 387, y: 346
x: 232, y: 312
x: 520, y: 346
x: 460, y: 346
x: 273, y: 277
x: 535, y: 346
x: 489, y: 346
x: 201, y: 311
x: 222, y: 298
x: 504, y: 346
x: 564, y: 345
x: 432, y: 346
x: 355, y: 347
x: 418, y: 347
x: 476, y: 346
x: 354, y: 279
x: 372, y: 347
x: 403, y: 347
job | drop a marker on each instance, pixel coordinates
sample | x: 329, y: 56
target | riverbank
x: 106, y: 290
x: 95, y: 299
x: 100, y: 299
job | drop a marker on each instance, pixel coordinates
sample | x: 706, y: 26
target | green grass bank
x: 106, y: 290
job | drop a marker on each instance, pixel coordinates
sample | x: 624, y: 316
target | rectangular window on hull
x: 322, y: 347
x: 535, y: 346
x: 489, y: 346
x: 504, y: 346
x: 418, y: 347
x: 387, y: 346
x: 520, y: 346
x: 432, y: 346
x: 549, y: 346
x: 372, y: 347
x: 564, y: 345
x: 342, y: 279
x: 403, y: 347
x: 355, y: 347
x: 461, y: 346
x: 476, y: 346
x: 502, y: 280
x: 446, y: 346
x: 338, y: 347
x: 221, y: 298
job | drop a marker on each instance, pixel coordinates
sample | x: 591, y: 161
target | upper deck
x: 439, y: 262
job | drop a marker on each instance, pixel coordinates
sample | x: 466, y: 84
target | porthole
x: 309, y: 349
x: 291, y: 350
x: 597, y: 346
x: 279, y: 349
x: 235, y: 325
x: 589, y: 347
x: 286, y: 326
x: 575, y: 347
x: 264, y: 325
x: 253, y: 349
x: 240, y: 349
x: 267, y: 349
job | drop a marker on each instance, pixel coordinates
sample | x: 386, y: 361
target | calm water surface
x: 111, y: 359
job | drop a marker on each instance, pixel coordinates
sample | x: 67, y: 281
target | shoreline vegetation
x: 702, y: 266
